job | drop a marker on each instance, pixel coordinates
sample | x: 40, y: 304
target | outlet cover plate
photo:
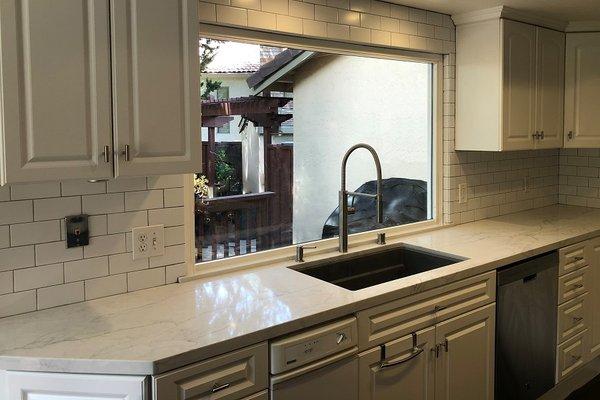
x: 148, y: 241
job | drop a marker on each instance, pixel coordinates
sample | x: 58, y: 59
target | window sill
x: 326, y: 249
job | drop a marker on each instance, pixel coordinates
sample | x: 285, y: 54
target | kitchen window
x: 275, y: 183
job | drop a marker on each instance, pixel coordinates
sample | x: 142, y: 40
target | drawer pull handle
x: 577, y: 319
x: 416, y: 351
x: 106, y: 154
x: 577, y: 258
x: 217, y: 388
x: 437, y: 309
x: 578, y: 286
x: 575, y: 359
x: 126, y: 153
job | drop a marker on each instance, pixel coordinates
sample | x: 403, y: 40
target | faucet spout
x: 343, y: 198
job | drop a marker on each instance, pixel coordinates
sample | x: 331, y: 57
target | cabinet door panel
x: 156, y: 86
x: 519, y: 85
x: 594, y: 290
x: 414, y: 379
x: 56, y: 86
x: 49, y: 386
x: 465, y: 366
x: 582, y: 90
x: 550, y: 87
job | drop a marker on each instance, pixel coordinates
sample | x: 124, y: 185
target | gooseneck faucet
x: 343, y: 208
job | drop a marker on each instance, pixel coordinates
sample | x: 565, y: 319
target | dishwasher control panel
x: 313, y: 344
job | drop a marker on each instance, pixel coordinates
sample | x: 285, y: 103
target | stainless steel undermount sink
x: 362, y: 271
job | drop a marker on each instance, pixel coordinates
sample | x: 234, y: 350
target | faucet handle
x: 300, y: 252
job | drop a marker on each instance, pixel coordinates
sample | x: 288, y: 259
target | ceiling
x: 565, y: 10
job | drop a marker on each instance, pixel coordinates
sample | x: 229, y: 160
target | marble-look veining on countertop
x: 159, y: 329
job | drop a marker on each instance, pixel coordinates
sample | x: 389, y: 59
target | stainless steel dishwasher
x: 320, y: 363
x: 526, y: 328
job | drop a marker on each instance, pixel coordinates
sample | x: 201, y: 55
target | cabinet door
x: 465, y: 366
x: 48, y: 386
x: 56, y: 113
x: 582, y: 90
x: 156, y: 90
x: 594, y: 294
x: 518, y: 69
x: 550, y: 68
x: 409, y: 375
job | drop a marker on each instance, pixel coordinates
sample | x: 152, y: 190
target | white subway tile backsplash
x: 105, y: 245
x: 17, y: 303
x: 173, y: 272
x: 86, y: 269
x: 105, y: 286
x: 55, y: 252
x: 146, y: 278
x: 79, y: 187
x: 59, y: 295
x: 103, y: 203
x: 34, y: 259
x: 120, y: 263
x: 57, y: 208
x: 16, y: 258
x: 34, y: 190
x: 37, y: 277
x: 124, y: 222
x: 174, y: 197
x: 4, y: 236
x: 143, y: 200
x: 13, y: 212
x: 6, y: 282
x: 167, y: 216
x: 126, y: 184
x: 174, y: 235
x: 165, y: 181
x: 173, y: 255
x: 34, y: 232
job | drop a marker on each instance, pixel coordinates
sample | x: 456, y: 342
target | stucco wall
x: 340, y: 101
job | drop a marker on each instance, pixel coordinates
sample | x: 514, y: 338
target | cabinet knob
x: 570, y: 135
x: 542, y: 135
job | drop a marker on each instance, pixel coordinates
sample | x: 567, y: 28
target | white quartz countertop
x: 159, y: 329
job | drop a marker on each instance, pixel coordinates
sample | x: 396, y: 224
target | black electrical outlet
x: 78, y: 233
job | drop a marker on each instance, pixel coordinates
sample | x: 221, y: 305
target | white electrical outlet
x: 462, y: 193
x: 148, y: 241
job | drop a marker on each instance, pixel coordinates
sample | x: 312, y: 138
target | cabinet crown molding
x: 508, y: 13
x: 583, y: 26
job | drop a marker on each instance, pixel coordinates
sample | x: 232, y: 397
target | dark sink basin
x: 372, y: 269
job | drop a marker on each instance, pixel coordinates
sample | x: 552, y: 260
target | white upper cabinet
x: 518, y: 76
x: 156, y: 86
x: 70, y: 108
x: 582, y: 90
x: 56, y: 100
x: 509, y: 85
x: 550, y: 83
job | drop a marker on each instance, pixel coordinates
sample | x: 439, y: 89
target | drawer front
x: 227, y: 377
x: 401, y: 317
x: 264, y: 395
x: 571, y: 355
x: 573, y: 317
x: 573, y: 284
x: 573, y: 257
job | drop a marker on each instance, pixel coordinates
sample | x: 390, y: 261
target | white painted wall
x: 340, y: 101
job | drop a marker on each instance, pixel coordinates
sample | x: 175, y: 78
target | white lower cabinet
x: 451, y: 360
x: 399, y: 367
x: 51, y: 386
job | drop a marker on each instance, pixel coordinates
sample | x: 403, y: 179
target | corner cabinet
x: 509, y: 85
x: 582, y: 90
x: 53, y: 386
x: 95, y: 89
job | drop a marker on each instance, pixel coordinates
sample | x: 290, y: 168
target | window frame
x: 326, y: 248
